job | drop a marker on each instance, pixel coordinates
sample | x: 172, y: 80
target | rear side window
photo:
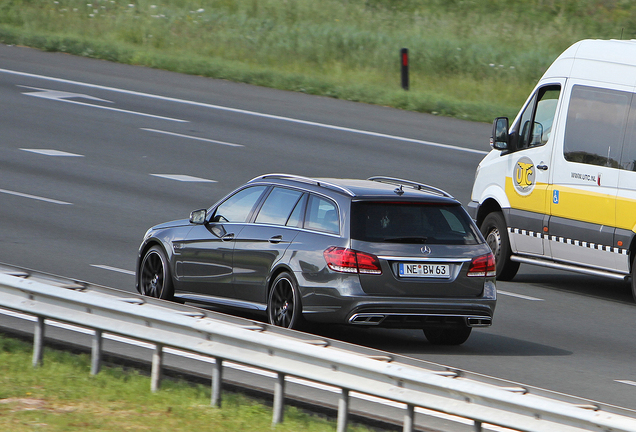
x: 415, y: 223
x: 278, y: 206
x: 322, y: 215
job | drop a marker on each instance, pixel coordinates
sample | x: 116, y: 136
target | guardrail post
x: 343, y: 411
x: 409, y: 418
x: 478, y: 426
x: 155, y: 374
x: 217, y: 381
x: 279, y: 399
x: 96, y: 353
x: 38, y: 342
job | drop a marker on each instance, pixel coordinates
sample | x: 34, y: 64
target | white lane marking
x: 48, y: 152
x: 193, y: 137
x: 246, y: 112
x: 62, y: 97
x: 249, y: 369
x: 115, y: 269
x: 521, y: 296
x: 57, y: 95
x: 39, y: 198
x: 628, y: 382
x: 183, y: 178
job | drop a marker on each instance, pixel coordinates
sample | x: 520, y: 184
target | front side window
x: 239, y: 206
x: 411, y: 223
x: 535, y: 125
x: 278, y: 206
x: 596, y: 126
x: 322, y: 215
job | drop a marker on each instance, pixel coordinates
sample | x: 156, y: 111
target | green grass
x: 469, y: 59
x: 61, y: 395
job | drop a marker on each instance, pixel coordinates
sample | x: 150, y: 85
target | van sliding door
x: 626, y: 195
x: 585, y: 180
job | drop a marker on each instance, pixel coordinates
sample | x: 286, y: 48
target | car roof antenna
x: 399, y: 190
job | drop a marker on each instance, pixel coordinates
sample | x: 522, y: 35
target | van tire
x: 633, y: 282
x: 496, y: 234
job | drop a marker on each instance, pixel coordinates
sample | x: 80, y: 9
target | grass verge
x: 61, y: 395
x: 471, y: 60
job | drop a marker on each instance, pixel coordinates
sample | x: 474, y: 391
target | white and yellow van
x: 559, y: 187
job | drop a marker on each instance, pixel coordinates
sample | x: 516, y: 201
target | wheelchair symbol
x: 555, y: 197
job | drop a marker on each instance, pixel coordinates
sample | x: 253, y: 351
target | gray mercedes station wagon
x: 381, y: 252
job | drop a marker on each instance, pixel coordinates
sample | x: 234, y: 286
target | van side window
x: 535, y: 125
x: 628, y: 158
x: 595, y: 126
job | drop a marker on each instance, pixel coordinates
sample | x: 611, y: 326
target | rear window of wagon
x: 411, y: 222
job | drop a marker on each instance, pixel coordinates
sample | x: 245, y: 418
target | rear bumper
x: 405, y: 313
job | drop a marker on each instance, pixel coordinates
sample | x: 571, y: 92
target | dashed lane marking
x: 193, y: 137
x: 521, y: 296
x: 34, y: 197
x: 115, y: 269
x: 183, y: 178
x: 48, y: 152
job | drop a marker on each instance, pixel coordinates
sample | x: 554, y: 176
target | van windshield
x: 411, y: 222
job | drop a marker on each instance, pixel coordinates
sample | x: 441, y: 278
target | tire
x: 154, y: 275
x: 283, y: 302
x: 496, y: 234
x: 447, y: 335
x: 633, y: 283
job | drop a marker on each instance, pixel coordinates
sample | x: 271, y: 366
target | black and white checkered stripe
x: 617, y: 250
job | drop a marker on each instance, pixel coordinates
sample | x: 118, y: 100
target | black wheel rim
x: 282, y: 303
x: 152, y: 275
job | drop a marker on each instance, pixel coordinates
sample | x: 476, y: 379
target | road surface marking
x: 246, y: 112
x: 52, y: 152
x: 521, y: 296
x: 115, y: 269
x: 193, y: 137
x: 183, y: 178
x: 628, y: 382
x: 35, y: 197
x: 63, y: 97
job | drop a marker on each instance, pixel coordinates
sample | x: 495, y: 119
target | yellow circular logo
x: 523, y: 176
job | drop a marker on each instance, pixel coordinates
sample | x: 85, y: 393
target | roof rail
x: 302, y: 179
x: 412, y: 184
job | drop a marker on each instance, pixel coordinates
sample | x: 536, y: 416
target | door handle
x: 542, y: 167
x: 276, y: 239
x: 228, y: 237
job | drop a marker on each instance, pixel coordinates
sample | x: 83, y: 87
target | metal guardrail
x: 289, y: 353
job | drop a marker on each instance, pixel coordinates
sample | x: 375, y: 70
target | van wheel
x: 634, y: 280
x: 494, y: 230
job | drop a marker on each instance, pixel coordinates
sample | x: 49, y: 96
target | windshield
x: 411, y: 222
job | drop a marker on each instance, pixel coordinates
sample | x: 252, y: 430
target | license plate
x: 424, y: 270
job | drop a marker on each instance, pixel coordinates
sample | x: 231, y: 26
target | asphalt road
x: 93, y: 153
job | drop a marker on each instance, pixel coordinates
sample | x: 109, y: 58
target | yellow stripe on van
x: 537, y: 201
x: 576, y: 204
x: 626, y: 213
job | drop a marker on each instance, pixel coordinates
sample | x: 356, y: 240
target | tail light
x: 483, y: 266
x: 351, y: 261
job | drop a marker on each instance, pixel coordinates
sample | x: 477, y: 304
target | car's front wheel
x: 447, y: 335
x: 283, y: 304
x: 496, y: 233
x: 154, y: 275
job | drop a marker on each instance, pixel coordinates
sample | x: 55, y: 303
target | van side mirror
x: 197, y: 217
x: 500, y: 139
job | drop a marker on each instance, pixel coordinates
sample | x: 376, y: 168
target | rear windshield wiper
x: 406, y: 239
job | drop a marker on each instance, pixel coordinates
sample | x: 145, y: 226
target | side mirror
x: 197, y: 217
x: 500, y: 139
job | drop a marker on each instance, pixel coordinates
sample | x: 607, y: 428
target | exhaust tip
x: 366, y: 319
x: 479, y: 321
